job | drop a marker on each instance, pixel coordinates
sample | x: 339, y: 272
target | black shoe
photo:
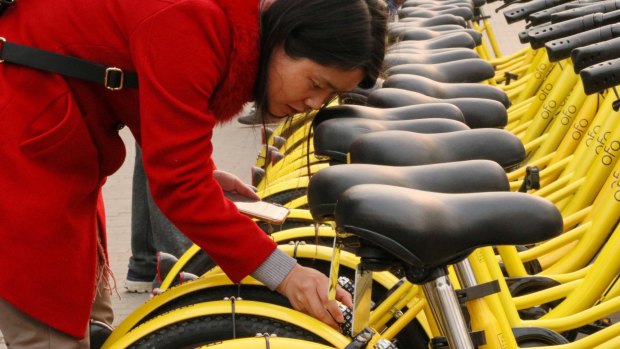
x: 138, y: 283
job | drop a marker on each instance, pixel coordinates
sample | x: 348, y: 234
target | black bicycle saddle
x: 463, y: 70
x: 396, y: 26
x: 427, y: 230
x: 410, y: 33
x: 408, y: 112
x: 458, y: 11
x: 396, y: 58
x: 434, y: 6
x: 452, y: 177
x: 478, y: 112
x: 332, y: 138
x: 452, y: 40
x: 425, y: 3
x: 437, y: 20
x: 402, y: 148
x: 443, y: 90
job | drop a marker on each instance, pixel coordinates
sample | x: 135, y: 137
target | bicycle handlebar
x: 523, y: 11
x: 539, y: 36
x: 508, y: 3
x: 544, y: 16
x: 561, y: 48
x: 586, y: 56
x: 524, y: 37
x: 603, y: 7
x: 601, y: 76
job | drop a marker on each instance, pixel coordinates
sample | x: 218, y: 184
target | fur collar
x: 238, y: 86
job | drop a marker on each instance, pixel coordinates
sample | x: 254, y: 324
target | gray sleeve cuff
x: 274, y: 269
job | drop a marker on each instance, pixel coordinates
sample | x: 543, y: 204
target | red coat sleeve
x: 178, y: 76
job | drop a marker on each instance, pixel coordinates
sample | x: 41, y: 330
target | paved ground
x: 236, y: 147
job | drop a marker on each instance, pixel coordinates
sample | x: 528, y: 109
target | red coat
x: 197, y: 63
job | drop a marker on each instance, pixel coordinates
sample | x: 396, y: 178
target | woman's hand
x: 230, y: 182
x: 306, y: 289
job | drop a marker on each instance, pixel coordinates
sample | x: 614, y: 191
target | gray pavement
x: 235, y: 149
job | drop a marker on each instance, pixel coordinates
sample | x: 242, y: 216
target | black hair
x: 342, y: 34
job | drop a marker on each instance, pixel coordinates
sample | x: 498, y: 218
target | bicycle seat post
x: 465, y: 273
x: 446, y: 309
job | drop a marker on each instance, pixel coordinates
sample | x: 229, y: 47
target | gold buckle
x: 3, y: 40
x: 107, y: 75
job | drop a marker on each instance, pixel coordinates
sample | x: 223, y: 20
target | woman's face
x: 296, y: 85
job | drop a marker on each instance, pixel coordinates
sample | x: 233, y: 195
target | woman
x: 198, y: 62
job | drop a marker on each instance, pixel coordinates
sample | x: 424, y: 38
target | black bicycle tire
x: 247, y: 292
x: 535, y: 336
x: 412, y: 336
x: 288, y: 224
x: 285, y: 196
x: 264, y: 294
x: 203, y: 330
x: 200, y: 263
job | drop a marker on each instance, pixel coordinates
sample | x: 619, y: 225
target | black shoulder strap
x: 112, y: 78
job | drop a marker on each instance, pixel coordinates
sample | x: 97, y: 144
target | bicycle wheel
x: 412, y: 336
x: 260, y: 342
x: 285, y: 196
x: 204, y: 330
x: 201, y: 262
x: 288, y: 224
x: 247, y: 292
x: 535, y: 337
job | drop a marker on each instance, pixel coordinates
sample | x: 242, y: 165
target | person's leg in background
x: 166, y: 237
x: 143, y: 261
x: 151, y: 232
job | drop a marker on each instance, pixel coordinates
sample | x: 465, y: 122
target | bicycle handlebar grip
x: 601, y: 76
x: 561, y: 48
x: 603, y: 7
x: 586, y: 56
x: 544, y: 16
x: 539, y: 36
x: 523, y: 11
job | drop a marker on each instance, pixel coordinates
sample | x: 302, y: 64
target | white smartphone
x: 265, y: 211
